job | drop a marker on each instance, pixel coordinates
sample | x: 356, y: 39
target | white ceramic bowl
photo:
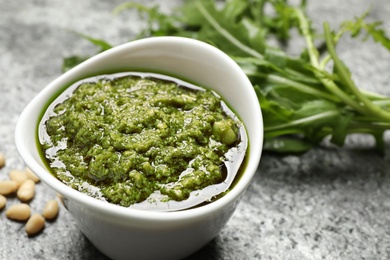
x: 123, y: 233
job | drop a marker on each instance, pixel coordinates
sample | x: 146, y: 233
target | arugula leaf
x: 302, y: 101
x: 287, y: 144
x: 72, y: 61
x: 97, y: 42
x: 372, y: 29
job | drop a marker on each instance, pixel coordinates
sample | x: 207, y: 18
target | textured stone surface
x: 330, y: 203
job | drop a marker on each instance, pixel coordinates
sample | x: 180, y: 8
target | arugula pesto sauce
x: 125, y: 136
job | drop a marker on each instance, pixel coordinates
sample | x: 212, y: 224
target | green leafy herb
x: 70, y: 62
x: 301, y: 99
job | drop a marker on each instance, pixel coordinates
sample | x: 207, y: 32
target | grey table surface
x: 329, y: 203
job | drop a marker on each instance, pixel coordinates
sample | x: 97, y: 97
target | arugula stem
x: 375, y: 96
x: 294, y: 84
x: 325, y: 61
x: 348, y: 82
x: 209, y: 18
x: 313, y: 53
x: 301, y: 77
x: 302, y: 121
x: 344, y: 97
x: 305, y: 29
x: 301, y: 87
x: 282, y: 132
x: 381, y: 103
x: 371, y: 122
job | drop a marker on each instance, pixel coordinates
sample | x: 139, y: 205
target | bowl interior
x: 187, y: 59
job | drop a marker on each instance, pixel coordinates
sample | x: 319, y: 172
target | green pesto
x: 130, y: 136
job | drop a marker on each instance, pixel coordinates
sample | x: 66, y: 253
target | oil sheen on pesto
x: 125, y: 136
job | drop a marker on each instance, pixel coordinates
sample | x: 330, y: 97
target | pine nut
x: 31, y: 175
x: 3, y: 201
x: 51, y: 210
x: 26, y: 191
x: 18, y: 176
x: 35, y: 224
x: 19, y: 212
x: 2, y: 160
x: 8, y: 187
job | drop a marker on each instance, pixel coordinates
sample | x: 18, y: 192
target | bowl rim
x: 116, y: 210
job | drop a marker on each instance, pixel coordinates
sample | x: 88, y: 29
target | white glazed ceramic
x: 123, y: 233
